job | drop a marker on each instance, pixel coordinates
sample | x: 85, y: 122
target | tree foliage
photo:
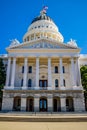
x: 2, y: 76
x: 84, y: 79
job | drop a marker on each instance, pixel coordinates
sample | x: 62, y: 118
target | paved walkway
x: 16, y: 121
x: 43, y: 126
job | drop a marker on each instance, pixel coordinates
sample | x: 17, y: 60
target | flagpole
x: 42, y: 3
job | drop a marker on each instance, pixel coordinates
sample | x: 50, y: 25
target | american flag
x: 45, y: 7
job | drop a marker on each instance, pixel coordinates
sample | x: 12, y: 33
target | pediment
x: 43, y: 45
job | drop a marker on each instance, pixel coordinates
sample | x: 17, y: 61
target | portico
x: 48, y: 65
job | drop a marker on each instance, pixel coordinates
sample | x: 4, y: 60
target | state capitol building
x: 43, y: 72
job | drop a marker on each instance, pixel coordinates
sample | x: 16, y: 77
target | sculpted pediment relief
x: 43, y: 45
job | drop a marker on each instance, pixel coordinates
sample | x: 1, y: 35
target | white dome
x: 43, y: 27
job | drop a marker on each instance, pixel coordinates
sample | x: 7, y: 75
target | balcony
x: 42, y: 88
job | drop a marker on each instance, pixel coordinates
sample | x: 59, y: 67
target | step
x: 47, y: 117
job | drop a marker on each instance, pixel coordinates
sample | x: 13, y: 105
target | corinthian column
x: 25, y: 74
x: 49, y: 74
x: 78, y: 75
x: 37, y: 73
x: 73, y: 72
x: 8, y: 72
x: 13, y: 72
x: 61, y: 73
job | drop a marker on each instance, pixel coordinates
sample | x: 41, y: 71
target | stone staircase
x: 42, y: 117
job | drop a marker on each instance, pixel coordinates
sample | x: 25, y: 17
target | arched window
x: 63, y: 69
x: 30, y: 83
x: 56, y: 69
x: 21, y: 82
x: 56, y: 83
x: 22, y: 69
x: 64, y: 83
x: 30, y: 69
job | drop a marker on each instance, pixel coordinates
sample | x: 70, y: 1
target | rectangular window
x: 30, y: 83
x: 22, y: 69
x: 64, y: 83
x: 30, y: 69
x: 63, y: 69
x: 56, y: 69
x: 21, y: 82
x: 56, y: 83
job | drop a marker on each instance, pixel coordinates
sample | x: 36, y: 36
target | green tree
x: 84, y: 82
x: 2, y: 76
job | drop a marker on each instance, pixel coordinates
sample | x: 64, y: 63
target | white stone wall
x: 7, y: 103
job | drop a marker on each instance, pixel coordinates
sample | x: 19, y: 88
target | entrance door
x: 69, y: 104
x: 17, y: 104
x: 55, y: 105
x: 29, y: 105
x: 43, y: 83
x: 43, y: 105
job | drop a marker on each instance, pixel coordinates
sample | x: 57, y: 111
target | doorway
x: 30, y: 104
x: 43, y: 105
x: 17, y: 104
x: 56, y: 104
x: 69, y: 104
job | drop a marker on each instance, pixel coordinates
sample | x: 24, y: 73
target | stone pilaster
x: 36, y: 104
x: 50, y: 104
x: 7, y: 103
x: 8, y: 73
x: 23, y: 104
x: 79, y: 105
x: 49, y: 74
x: 37, y: 73
x: 13, y: 73
x: 63, y: 104
x: 25, y: 74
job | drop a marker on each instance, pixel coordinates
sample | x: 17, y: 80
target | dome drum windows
x: 38, y: 35
x: 32, y: 37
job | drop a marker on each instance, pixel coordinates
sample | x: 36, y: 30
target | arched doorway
x: 17, y: 104
x: 69, y: 104
x: 43, y: 104
x: 30, y: 104
x: 56, y: 104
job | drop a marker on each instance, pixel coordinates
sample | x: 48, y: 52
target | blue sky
x: 69, y: 15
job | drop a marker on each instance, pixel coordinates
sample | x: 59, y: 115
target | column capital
x: 37, y: 58
x: 26, y: 59
x: 60, y: 57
